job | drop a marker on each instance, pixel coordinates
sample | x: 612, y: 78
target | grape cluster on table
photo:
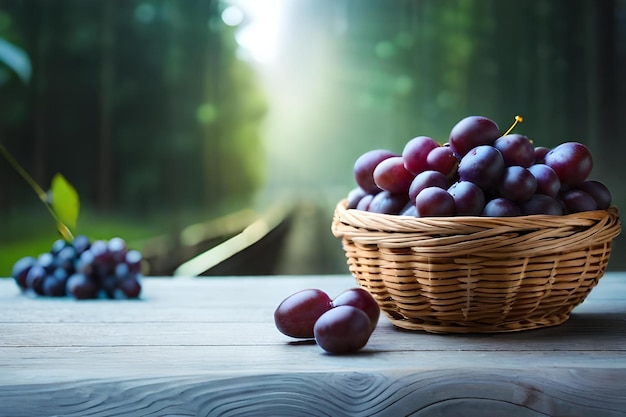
x: 479, y: 172
x: 82, y: 269
x: 339, y: 326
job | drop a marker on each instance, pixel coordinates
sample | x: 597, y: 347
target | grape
x: 133, y: 260
x: 469, y: 199
x: 518, y: 184
x: 599, y: 192
x: 60, y: 274
x: 427, y: 179
x: 387, y: 203
x: 343, y: 329
x: 296, y: 315
x: 364, y: 168
x: 415, y: 153
x: 117, y: 249
x: 516, y: 150
x: 471, y: 132
x: 354, y: 196
x: 548, y: 181
x: 391, y: 175
x: 501, y: 207
x: 35, y: 278
x: 542, y: 204
x: 86, y: 263
x: 364, y: 203
x: 480, y: 171
x: 100, y: 251
x: 571, y: 161
x: 58, y: 246
x: 483, y: 166
x: 81, y: 243
x: 121, y: 270
x: 81, y: 287
x: 443, y: 159
x: 130, y: 286
x: 540, y: 154
x: 20, y: 270
x: 434, y: 201
x: 361, y: 299
x: 66, y: 258
x: 576, y: 201
x: 54, y: 285
x: 409, y: 210
x: 46, y: 261
x: 109, y: 285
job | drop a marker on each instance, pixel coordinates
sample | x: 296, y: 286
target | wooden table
x: 208, y: 347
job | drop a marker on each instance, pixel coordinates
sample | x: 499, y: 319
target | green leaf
x: 16, y: 59
x: 64, y: 201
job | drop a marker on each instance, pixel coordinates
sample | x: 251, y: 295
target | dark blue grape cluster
x: 82, y: 269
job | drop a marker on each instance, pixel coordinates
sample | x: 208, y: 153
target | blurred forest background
x: 169, y: 113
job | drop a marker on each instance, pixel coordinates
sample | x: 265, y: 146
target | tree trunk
x: 105, y: 158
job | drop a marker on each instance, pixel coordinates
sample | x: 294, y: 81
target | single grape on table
x: 297, y: 314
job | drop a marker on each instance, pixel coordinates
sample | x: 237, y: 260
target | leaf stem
x: 63, y: 229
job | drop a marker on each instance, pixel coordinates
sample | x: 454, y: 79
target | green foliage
x: 64, y: 201
x: 142, y: 105
x: 16, y: 59
x: 61, y: 200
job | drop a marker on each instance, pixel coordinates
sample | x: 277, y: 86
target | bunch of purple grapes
x: 478, y: 172
x: 82, y: 269
x: 339, y: 326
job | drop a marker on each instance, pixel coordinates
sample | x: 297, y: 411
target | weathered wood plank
x: 208, y: 346
x: 584, y: 332
x: 584, y: 393
x: 68, y: 363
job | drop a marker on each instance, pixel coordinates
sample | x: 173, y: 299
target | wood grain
x: 430, y: 393
x: 208, y: 347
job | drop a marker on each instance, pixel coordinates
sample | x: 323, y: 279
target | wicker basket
x: 477, y: 274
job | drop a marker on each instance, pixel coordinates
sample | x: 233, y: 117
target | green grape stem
x: 62, y: 228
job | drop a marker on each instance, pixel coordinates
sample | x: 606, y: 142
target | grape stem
x: 518, y: 119
x: 63, y: 229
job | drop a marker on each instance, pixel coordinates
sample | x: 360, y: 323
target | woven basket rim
x: 408, y: 224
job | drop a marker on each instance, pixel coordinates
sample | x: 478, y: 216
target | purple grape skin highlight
x: 425, y: 179
x: 469, y: 198
x: 391, y: 175
x: 415, y: 153
x: 516, y: 150
x: 434, y: 202
x: 542, y: 204
x: 364, y: 168
x: 361, y: 299
x: 82, y: 287
x: 548, y: 181
x: 599, y: 192
x: 572, y: 162
x: 343, y: 329
x: 388, y: 203
x: 501, y: 207
x: 576, y: 200
x: 483, y: 166
x: 296, y: 315
x: 354, y: 196
x: 20, y: 270
x: 471, y: 132
x: 518, y: 184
